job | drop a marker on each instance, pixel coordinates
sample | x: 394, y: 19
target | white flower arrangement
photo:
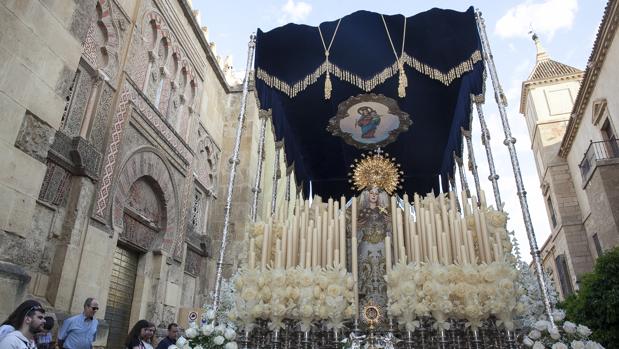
x: 208, y: 336
x: 470, y: 292
x: 565, y: 335
x: 299, y: 294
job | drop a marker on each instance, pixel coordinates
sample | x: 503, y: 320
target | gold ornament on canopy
x: 376, y: 170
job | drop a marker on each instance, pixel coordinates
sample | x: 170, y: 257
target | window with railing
x: 600, y: 150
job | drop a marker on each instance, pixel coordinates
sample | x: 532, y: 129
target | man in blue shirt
x: 79, y: 331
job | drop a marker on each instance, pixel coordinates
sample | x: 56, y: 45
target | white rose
x: 535, y: 334
x: 229, y: 334
x: 538, y: 345
x: 527, y: 341
x: 191, y: 332
x: 541, y: 325
x: 231, y: 345
x: 558, y: 315
x: 554, y: 333
x: 577, y: 345
x: 583, y: 330
x: 559, y: 345
x: 219, y: 340
x: 207, y: 329
x: 210, y: 314
x: 569, y: 327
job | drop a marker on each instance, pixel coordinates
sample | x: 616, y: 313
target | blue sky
x: 567, y: 29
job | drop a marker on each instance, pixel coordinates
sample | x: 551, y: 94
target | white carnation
x: 207, y: 329
x: 541, y: 325
x: 559, y: 345
x: 535, y: 334
x: 569, y: 327
x: 538, y: 345
x: 191, y: 332
x: 229, y: 334
x: 527, y: 341
x: 583, y: 330
x: 554, y: 333
x: 558, y: 315
x: 210, y: 314
x: 231, y: 345
x: 219, y: 340
x: 577, y: 345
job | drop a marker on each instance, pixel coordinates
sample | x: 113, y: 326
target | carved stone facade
x: 115, y: 143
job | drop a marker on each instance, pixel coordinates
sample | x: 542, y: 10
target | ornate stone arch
x: 147, y: 163
x: 101, y: 45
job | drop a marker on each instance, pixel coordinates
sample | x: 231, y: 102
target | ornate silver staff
x: 234, y: 161
x: 264, y: 116
x: 509, y: 142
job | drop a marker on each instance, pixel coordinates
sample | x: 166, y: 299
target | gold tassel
x: 402, y: 81
x: 328, y: 86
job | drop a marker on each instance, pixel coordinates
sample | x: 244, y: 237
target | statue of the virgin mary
x: 374, y: 224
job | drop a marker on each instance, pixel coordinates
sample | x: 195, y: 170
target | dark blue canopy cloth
x: 443, y: 65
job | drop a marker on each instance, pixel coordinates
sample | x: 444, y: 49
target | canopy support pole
x: 463, y: 181
x: 509, y: 142
x: 234, y: 161
x: 277, y: 173
x: 473, y: 165
x: 485, y: 140
x: 264, y: 115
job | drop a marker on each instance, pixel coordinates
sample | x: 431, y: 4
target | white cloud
x: 544, y: 17
x: 295, y: 11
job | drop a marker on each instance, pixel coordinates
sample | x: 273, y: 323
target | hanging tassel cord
x: 402, y: 80
x: 328, y: 85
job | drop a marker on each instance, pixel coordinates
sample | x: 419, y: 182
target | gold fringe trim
x: 369, y: 84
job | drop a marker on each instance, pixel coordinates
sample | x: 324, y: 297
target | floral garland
x: 303, y: 295
x: 469, y: 292
x: 209, y: 335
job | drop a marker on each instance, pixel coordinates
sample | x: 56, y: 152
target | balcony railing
x: 600, y: 150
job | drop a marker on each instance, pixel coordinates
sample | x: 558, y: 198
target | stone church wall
x: 117, y: 129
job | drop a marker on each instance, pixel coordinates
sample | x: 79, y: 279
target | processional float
x: 372, y: 112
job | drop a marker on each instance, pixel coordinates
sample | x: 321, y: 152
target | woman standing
x: 139, y: 335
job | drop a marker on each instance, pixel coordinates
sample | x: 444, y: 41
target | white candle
x: 464, y: 258
x: 284, y: 245
x: 394, y: 226
x: 278, y: 253
x: 303, y: 253
x: 265, y: 248
x: 252, y: 254
x: 417, y: 248
x: 484, y: 232
x: 343, y: 238
x: 388, y: 253
x: 336, y: 258
x: 471, y: 245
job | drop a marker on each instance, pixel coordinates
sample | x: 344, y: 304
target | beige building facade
x: 118, y: 123
x: 575, y: 154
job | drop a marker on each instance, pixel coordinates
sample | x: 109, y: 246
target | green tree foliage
x: 597, y: 302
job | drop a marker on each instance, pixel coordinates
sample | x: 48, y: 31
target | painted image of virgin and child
x: 368, y: 120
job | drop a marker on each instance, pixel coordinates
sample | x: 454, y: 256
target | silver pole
x: 276, y: 175
x: 485, y: 140
x: 234, y: 161
x: 288, y: 173
x: 256, y: 189
x: 509, y: 142
x: 463, y: 181
x: 472, y: 163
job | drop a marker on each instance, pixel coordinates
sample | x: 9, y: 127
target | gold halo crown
x: 376, y: 170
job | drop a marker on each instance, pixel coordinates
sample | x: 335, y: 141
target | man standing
x: 170, y: 338
x: 31, y: 322
x: 79, y: 331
